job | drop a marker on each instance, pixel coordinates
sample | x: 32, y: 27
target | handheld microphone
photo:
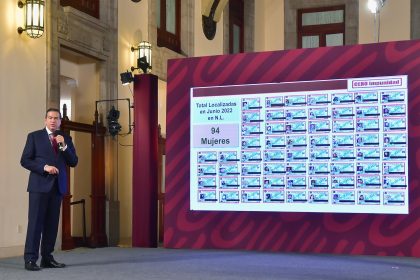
x: 60, y: 144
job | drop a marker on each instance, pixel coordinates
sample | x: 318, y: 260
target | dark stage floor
x: 144, y: 263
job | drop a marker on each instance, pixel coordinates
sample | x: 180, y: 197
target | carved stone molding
x: 68, y: 28
x: 415, y: 19
x: 83, y: 33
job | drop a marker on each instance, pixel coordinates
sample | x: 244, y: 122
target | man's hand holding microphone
x: 61, y: 147
x: 60, y: 140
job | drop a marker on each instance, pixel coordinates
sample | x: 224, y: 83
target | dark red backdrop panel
x: 373, y: 234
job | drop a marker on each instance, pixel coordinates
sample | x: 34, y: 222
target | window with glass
x: 168, y: 22
x: 236, y: 26
x: 321, y: 27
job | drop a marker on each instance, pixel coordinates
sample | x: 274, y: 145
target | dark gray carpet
x: 145, y: 263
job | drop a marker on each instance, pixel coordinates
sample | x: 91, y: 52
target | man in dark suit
x: 46, y: 155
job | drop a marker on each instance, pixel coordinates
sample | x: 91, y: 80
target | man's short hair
x: 52, y: 110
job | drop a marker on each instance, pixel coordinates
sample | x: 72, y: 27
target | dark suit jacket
x: 38, y: 152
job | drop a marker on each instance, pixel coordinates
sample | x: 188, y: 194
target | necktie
x: 54, y: 143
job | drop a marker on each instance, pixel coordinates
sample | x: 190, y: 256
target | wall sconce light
x: 126, y: 78
x: 144, y: 57
x: 375, y: 5
x: 34, y: 18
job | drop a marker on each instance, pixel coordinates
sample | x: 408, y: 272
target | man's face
x: 53, y: 121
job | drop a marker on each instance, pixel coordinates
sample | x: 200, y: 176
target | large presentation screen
x: 315, y: 146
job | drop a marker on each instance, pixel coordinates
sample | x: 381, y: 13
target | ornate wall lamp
x: 144, y: 57
x: 34, y: 17
x: 375, y: 7
x: 143, y: 52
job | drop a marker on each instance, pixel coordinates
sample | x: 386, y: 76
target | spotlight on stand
x: 141, y: 64
x: 113, y: 126
x: 126, y: 78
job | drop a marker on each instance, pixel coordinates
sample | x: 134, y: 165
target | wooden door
x: 98, y: 236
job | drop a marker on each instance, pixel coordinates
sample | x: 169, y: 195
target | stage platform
x: 146, y: 263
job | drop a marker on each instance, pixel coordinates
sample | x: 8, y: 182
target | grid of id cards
x: 312, y: 151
